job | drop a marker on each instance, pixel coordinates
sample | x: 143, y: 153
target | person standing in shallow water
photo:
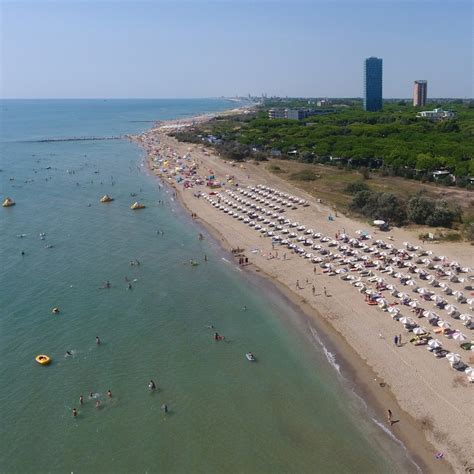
x: 97, y: 340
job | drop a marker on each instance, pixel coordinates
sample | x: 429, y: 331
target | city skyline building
x: 420, y: 91
x: 373, y: 84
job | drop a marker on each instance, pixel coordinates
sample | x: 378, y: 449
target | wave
x: 331, y: 358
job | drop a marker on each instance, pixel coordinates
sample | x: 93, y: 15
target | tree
x: 419, y: 209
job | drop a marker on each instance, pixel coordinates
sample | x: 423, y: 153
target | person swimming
x: 68, y: 353
x: 97, y: 340
x: 109, y: 393
x: 164, y: 407
x: 218, y: 337
x: 97, y: 404
x: 152, y: 385
x: 81, y: 400
x: 74, y: 412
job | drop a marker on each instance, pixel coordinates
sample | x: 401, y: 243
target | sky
x: 171, y: 49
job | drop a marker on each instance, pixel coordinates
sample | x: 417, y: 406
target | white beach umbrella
x: 444, y: 325
x: 418, y: 331
x: 453, y: 357
x: 434, y: 343
x: 466, y: 317
x: 450, y: 308
x: 414, y: 304
x: 394, y: 310
x: 430, y: 315
x: 470, y: 374
x: 406, y: 320
x: 459, y: 336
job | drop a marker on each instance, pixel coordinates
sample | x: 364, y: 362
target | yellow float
x: 106, y: 198
x: 137, y: 205
x: 43, y: 359
x: 9, y: 202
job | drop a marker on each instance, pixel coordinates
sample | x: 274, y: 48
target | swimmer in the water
x: 74, y: 412
x: 152, y: 385
x: 97, y: 404
x: 81, y: 399
x: 109, y: 393
x: 68, y: 353
x: 97, y: 340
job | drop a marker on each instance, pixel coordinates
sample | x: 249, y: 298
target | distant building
x: 373, y: 84
x: 276, y: 114
x: 322, y: 103
x: 436, y: 114
x: 296, y: 114
x: 420, y: 89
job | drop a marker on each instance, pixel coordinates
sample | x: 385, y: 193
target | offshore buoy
x: 106, y: 198
x: 9, y: 202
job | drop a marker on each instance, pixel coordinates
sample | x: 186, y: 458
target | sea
x: 290, y: 411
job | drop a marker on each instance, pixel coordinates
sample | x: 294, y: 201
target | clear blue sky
x: 201, y: 48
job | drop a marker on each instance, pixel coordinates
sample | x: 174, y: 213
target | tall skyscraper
x: 420, y: 90
x: 373, y: 84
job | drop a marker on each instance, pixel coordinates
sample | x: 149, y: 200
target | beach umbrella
x: 470, y: 374
x: 452, y: 310
x: 394, y: 311
x: 414, y: 304
x: 414, y: 283
x: 459, y: 336
x: 444, y: 325
x: 434, y: 343
x: 467, y: 318
x: 406, y: 320
x: 453, y: 357
x: 430, y: 315
x: 418, y: 331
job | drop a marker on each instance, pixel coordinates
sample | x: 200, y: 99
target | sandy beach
x: 426, y: 395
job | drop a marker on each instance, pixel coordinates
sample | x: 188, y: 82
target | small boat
x: 250, y: 357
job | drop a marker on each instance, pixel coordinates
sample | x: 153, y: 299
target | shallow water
x: 288, y: 412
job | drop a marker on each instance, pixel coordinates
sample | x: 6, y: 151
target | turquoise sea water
x: 288, y: 413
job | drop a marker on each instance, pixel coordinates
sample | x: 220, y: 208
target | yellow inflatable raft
x: 106, y: 198
x: 43, y: 359
x: 137, y: 205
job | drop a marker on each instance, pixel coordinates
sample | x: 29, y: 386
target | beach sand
x: 433, y: 402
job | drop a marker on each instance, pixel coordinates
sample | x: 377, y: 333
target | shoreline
x: 357, y: 370
x: 356, y: 374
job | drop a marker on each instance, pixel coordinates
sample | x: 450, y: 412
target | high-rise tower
x: 373, y: 84
x: 420, y: 89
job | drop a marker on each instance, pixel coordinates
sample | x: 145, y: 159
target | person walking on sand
x: 313, y: 288
x: 325, y: 292
x: 399, y: 339
x: 395, y: 340
x: 298, y: 285
x: 389, y: 417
